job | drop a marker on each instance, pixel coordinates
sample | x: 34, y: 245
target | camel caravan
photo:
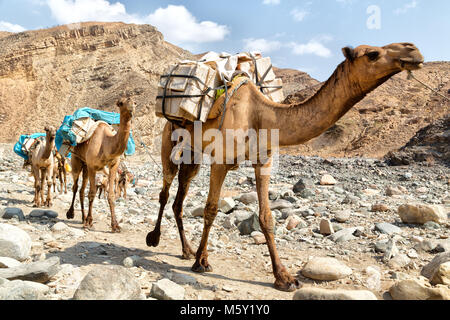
x: 202, y: 101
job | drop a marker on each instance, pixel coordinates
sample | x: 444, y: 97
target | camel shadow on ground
x: 97, y: 253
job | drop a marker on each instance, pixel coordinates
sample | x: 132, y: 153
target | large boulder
x: 166, y: 289
x: 14, y: 242
x: 40, y: 271
x: 421, y: 213
x: 109, y: 283
x: 326, y: 269
x: 418, y: 289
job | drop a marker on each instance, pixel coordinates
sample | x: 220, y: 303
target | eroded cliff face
x: 47, y: 74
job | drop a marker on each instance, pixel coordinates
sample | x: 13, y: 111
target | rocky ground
x: 341, y: 225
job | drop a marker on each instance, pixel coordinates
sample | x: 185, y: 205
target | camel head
x: 376, y: 63
x: 50, y: 131
x: 127, y: 106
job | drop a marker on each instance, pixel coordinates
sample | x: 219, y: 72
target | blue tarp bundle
x: 18, y: 146
x: 65, y: 131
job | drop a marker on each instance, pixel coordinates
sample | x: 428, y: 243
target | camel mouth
x: 410, y: 64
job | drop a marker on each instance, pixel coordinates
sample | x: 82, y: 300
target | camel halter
x: 411, y: 76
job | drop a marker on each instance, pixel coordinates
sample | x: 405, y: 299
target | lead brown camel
x: 42, y: 166
x: 104, y: 148
x: 364, y: 69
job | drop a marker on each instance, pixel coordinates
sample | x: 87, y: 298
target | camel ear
x: 349, y: 53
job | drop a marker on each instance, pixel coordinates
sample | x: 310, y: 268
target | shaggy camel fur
x: 104, y: 148
x: 364, y: 69
x: 42, y: 168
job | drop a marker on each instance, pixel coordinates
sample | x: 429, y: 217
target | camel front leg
x: 82, y: 190
x: 77, y: 167
x: 283, y: 280
x: 111, y: 196
x: 42, y: 188
x: 89, y: 221
x: 169, y: 172
x: 37, y: 186
x: 50, y: 183
x: 218, y: 174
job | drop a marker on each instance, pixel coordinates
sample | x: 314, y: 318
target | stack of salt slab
x: 272, y: 87
x: 213, y: 70
x: 187, y: 107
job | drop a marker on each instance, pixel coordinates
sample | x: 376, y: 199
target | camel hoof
x: 288, y: 286
x: 188, y: 255
x: 116, y: 229
x: 153, y: 238
x: 201, y: 269
x: 70, y: 215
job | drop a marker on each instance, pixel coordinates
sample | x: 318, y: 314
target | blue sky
x: 304, y: 35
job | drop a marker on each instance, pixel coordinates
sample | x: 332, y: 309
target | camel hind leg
x: 169, y: 172
x: 84, y: 182
x: 77, y: 167
x: 185, y: 176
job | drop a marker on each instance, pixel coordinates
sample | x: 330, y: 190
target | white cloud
x: 413, y: 4
x: 176, y: 23
x: 179, y: 26
x: 263, y: 45
x: 299, y: 15
x: 271, y: 2
x: 314, y: 47
x: 6, y: 26
x: 71, y: 11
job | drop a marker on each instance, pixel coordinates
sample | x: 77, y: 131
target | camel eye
x: 373, y: 55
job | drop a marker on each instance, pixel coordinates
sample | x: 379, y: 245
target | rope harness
x: 411, y: 76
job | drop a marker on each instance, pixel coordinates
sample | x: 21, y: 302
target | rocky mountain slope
x: 47, y: 74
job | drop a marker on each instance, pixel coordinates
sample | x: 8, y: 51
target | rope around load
x: 411, y: 76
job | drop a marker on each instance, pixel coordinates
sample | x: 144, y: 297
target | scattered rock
x: 248, y: 198
x: 421, y: 213
x: 37, y: 213
x: 166, y: 289
x: 280, y: 204
x: 337, y: 294
x: 181, y: 278
x: 22, y: 290
x: 429, y: 270
x: 292, y: 222
x: 59, y: 227
x: 226, y: 205
x: 388, y: 228
x: 327, y: 180
x: 14, y: 242
x: 9, y: 213
x: 343, y: 216
x: 442, y: 274
x: 414, y: 289
x: 40, y: 271
x: 326, y: 228
x: 302, y: 185
x: 6, y: 262
x: 258, y: 237
x: 109, y: 283
x: 326, y: 269
x: 391, y: 250
x: 198, y: 212
x: 379, y: 208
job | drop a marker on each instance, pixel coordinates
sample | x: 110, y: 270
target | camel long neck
x: 119, y: 141
x: 49, y: 144
x: 299, y: 123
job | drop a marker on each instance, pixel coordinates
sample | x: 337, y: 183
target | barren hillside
x: 386, y: 119
x: 47, y: 74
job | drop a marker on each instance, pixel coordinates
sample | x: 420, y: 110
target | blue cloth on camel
x: 65, y: 131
